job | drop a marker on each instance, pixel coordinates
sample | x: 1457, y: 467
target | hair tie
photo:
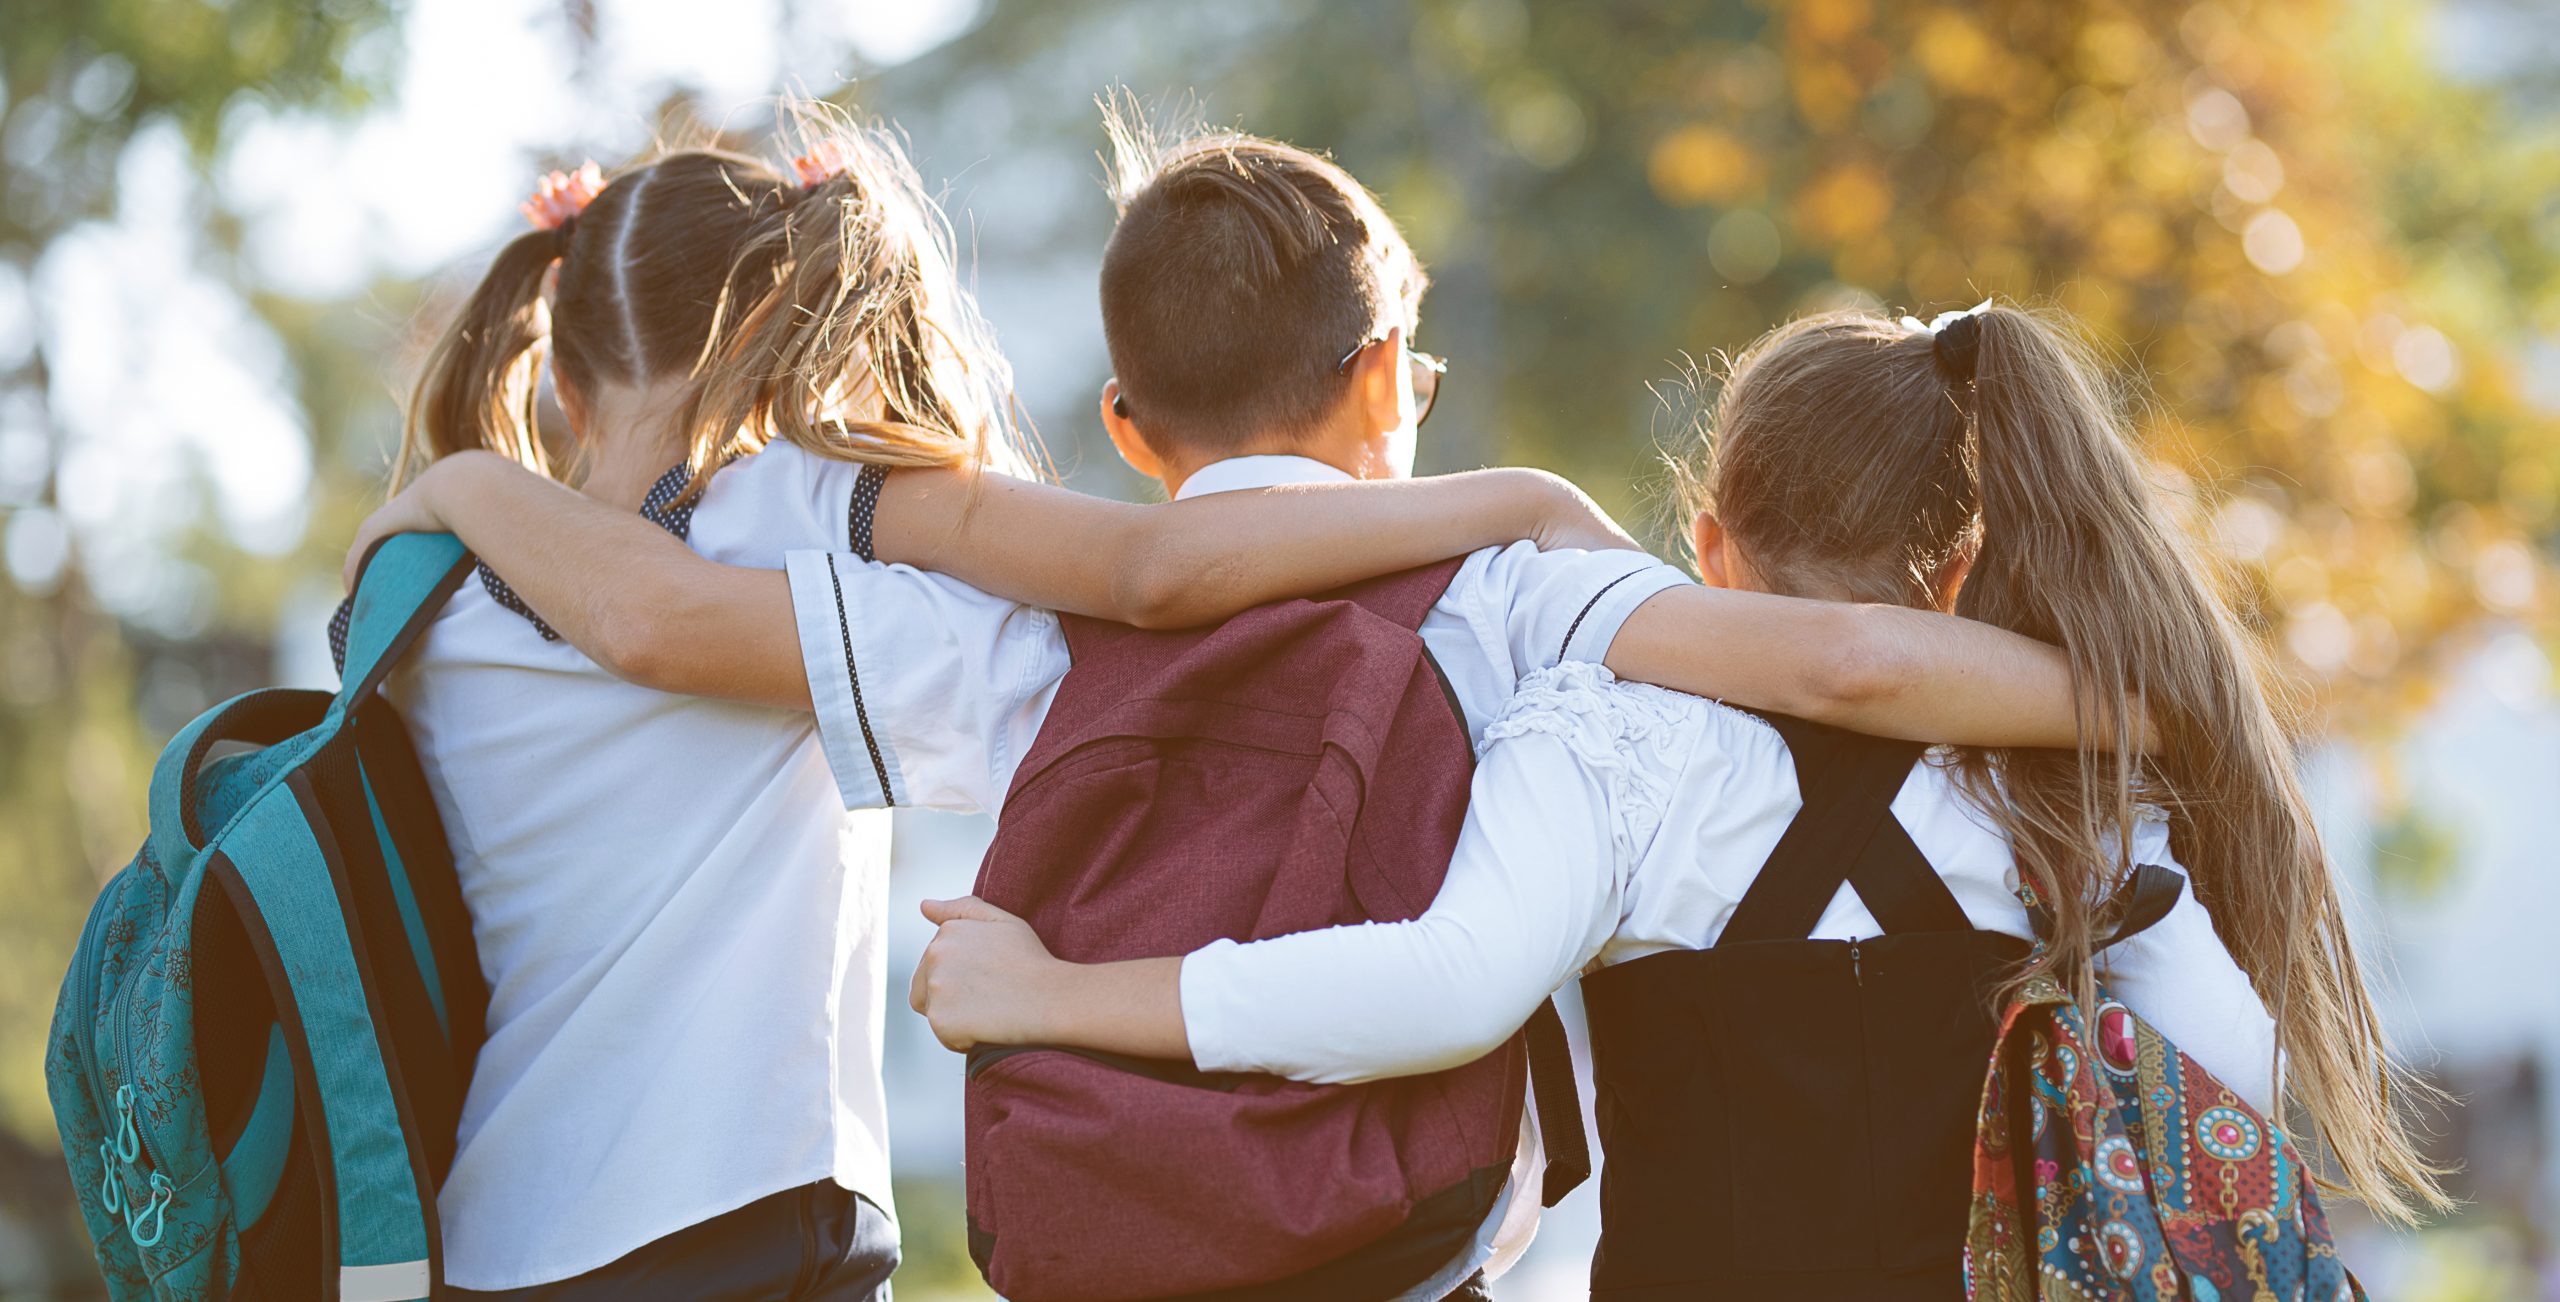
x: 1956, y: 340
x: 826, y: 160
x: 560, y: 196
x: 1957, y: 347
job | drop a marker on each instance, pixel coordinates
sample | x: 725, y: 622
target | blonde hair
x: 1855, y: 454
x: 829, y: 315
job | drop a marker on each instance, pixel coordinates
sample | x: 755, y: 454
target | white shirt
x: 681, y: 928
x: 929, y: 692
x: 1610, y: 821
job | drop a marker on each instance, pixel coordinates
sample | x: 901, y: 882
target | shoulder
x: 1560, y: 604
x: 1682, y: 776
x: 1648, y: 738
x: 776, y: 500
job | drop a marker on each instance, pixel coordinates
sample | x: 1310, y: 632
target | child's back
x: 658, y: 883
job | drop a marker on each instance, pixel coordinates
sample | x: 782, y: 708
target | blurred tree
x: 81, y: 81
x: 2323, y: 262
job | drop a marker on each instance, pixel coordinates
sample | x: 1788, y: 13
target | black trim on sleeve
x: 1586, y: 610
x: 864, y: 507
x: 853, y: 679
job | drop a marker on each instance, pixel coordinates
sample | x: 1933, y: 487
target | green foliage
x: 83, y: 700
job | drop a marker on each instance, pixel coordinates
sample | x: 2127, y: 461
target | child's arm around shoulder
x: 1890, y: 671
x: 649, y: 610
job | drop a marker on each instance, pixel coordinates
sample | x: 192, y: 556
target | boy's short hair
x: 1242, y: 271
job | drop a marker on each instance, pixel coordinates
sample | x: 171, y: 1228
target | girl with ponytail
x: 1792, y: 938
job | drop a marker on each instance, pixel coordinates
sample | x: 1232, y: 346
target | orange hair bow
x: 562, y: 196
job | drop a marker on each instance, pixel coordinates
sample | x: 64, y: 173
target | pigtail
x: 844, y: 330
x: 2076, y: 550
x: 482, y: 379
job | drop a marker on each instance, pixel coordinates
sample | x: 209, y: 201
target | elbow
x: 1859, y: 667
x: 629, y: 644
x: 1154, y: 590
x: 1450, y: 1035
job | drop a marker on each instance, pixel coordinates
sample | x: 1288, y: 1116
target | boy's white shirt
x: 928, y: 692
x: 681, y: 927
x: 1610, y: 821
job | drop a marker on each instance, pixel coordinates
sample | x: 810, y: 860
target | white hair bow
x: 1942, y: 320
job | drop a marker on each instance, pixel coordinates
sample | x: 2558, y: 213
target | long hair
x: 829, y: 315
x: 1855, y: 454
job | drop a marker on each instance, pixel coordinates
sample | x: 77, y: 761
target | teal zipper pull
x: 157, y: 1213
x: 110, y: 1191
x: 128, y: 1139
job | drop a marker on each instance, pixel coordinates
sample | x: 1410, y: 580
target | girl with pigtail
x: 1793, y: 939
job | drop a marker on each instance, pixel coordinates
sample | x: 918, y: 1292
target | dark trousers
x: 815, y: 1242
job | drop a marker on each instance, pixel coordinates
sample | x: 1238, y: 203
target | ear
x: 1124, y: 433
x: 572, y: 404
x: 1707, y: 534
x: 1378, y: 384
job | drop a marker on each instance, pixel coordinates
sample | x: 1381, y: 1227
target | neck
x: 1341, y: 447
x: 629, y: 435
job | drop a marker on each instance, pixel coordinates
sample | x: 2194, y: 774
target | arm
x: 677, y: 622
x: 1532, y: 894
x: 1887, y: 670
x: 1202, y: 560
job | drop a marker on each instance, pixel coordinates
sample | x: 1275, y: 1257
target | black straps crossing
x: 1844, y: 832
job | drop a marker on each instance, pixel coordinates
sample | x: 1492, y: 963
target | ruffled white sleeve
x: 1574, y: 776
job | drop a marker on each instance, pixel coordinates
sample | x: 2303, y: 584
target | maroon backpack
x: 1303, y: 765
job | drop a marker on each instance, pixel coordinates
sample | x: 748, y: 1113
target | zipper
x: 127, y: 1142
x: 1855, y: 973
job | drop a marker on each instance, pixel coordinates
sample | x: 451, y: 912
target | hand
x: 412, y: 510
x: 1572, y: 519
x: 982, y: 978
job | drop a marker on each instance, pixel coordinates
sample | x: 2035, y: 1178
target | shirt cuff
x: 1597, y: 625
x: 1212, y: 1011
x: 834, y: 646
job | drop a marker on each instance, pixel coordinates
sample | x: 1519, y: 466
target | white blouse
x: 1614, y: 820
x: 682, y: 930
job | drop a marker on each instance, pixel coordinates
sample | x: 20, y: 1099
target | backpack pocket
x: 1795, y: 1109
x: 1192, y: 1182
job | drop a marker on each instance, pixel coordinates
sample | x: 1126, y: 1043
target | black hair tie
x: 1956, y: 347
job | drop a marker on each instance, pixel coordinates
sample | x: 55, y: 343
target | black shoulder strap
x: 1559, y: 1103
x: 1844, y: 832
x: 2137, y: 906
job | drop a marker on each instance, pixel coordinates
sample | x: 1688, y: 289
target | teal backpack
x: 259, y: 1054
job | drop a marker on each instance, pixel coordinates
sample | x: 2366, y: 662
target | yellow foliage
x: 1699, y: 164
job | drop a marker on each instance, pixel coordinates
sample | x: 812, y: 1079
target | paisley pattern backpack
x: 2110, y: 1165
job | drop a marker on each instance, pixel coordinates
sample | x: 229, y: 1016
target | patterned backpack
x: 260, y: 1050
x: 2150, y: 1179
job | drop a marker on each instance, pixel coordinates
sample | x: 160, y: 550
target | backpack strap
x: 279, y: 862
x: 1559, y: 1102
x: 2138, y: 905
x: 1845, y: 832
x: 404, y: 582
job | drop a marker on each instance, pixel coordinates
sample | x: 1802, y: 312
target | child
x: 1753, y: 1094
x: 1256, y: 303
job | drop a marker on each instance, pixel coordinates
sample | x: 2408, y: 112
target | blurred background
x: 2322, y: 235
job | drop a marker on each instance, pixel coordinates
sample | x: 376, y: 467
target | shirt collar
x: 1264, y: 471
